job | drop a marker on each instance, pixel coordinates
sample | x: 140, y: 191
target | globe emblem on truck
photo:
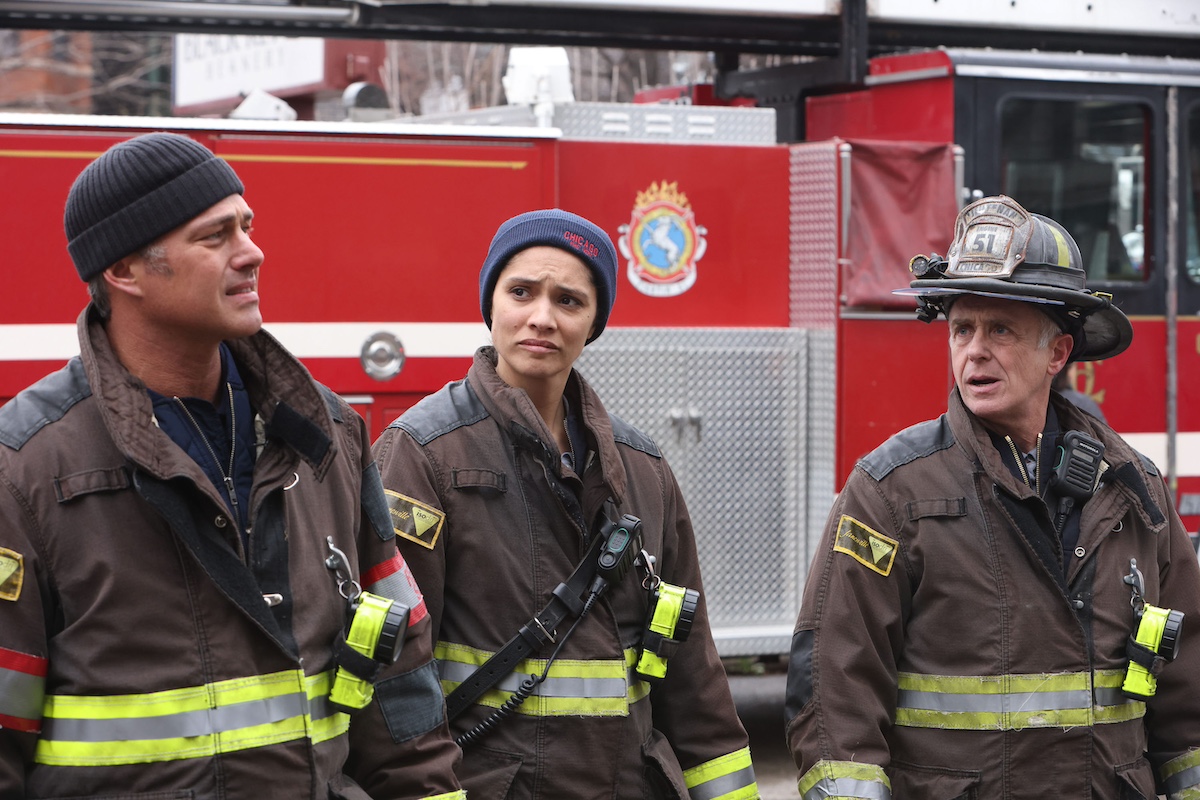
x: 662, y: 242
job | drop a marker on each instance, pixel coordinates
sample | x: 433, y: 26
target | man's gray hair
x: 1049, y: 329
x: 155, y: 256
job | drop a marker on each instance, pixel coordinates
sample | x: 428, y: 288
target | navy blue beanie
x: 137, y: 191
x: 553, y: 227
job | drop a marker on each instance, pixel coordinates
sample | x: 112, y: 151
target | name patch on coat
x: 12, y: 574
x: 414, y: 520
x: 868, y: 547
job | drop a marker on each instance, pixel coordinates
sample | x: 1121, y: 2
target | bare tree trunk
x: 468, y: 64
x: 595, y: 74
x: 498, y: 64
x: 577, y: 62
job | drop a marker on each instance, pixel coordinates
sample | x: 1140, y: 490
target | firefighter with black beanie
x: 197, y: 571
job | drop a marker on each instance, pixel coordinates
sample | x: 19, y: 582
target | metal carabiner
x: 1137, y: 586
x: 650, y: 580
x: 340, y: 566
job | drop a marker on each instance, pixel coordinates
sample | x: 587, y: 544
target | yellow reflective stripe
x: 1064, y: 252
x: 193, y: 722
x: 1013, y: 702
x: 459, y: 795
x: 1181, y: 776
x: 327, y: 722
x: 1113, y: 705
x: 597, y: 687
x: 730, y: 777
x: 844, y: 780
x: 638, y: 688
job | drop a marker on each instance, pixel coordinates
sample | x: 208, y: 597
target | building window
x: 10, y: 43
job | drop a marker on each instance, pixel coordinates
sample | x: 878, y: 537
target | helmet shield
x: 990, y: 238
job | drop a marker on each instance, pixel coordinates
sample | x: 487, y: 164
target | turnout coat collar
x: 1123, y: 466
x: 271, y: 374
x: 503, y: 402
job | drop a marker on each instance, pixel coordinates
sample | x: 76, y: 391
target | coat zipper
x: 1037, y: 463
x: 227, y: 475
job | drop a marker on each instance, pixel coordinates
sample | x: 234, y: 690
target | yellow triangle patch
x: 880, y: 549
x: 423, y: 520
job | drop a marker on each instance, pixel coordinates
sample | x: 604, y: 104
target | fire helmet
x: 1001, y: 250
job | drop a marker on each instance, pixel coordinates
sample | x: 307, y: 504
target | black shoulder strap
x: 565, y: 601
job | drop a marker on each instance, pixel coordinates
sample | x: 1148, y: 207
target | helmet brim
x: 994, y: 287
x: 1107, y: 332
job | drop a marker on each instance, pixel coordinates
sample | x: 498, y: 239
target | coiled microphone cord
x: 525, y: 690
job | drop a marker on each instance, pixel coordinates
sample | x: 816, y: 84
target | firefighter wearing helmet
x: 997, y: 607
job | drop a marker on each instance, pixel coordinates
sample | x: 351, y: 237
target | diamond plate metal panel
x: 815, y: 218
x: 813, y: 227
x: 822, y: 433
x: 662, y: 123
x: 728, y: 407
x: 641, y: 379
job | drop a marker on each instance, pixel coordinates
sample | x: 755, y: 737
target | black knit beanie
x: 137, y: 191
x: 553, y: 227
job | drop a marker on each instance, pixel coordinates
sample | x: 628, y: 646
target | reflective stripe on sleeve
x: 1181, y: 776
x: 194, y: 722
x: 393, y: 579
x: 459, y: 795
x: 845, y: 780
x: 22, y: 687
x: 730, y: 777
x: 589, y: 688
x: 1014, y: 702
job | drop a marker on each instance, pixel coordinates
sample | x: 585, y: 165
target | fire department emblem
x: 662, y: 242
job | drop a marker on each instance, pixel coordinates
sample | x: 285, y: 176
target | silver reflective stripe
x: 1187, y: 779
x: 995, y: 703
x: 848, y: 787
x: 21, y: 694
x: 174, y: 726
x: 722, y: 785
x: 588, y: 688
x: 397, y: 587
x: 320, y: 708
x: 1111, y: 697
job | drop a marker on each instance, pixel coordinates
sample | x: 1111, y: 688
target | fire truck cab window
x: 1082, y: 162
x: 1192, y: 195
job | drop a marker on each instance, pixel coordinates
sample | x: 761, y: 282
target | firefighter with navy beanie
x: 556, y: 553
x: 200, y: 590
x: 1004, y: 603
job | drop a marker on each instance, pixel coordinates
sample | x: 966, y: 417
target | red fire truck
x: 755, y: 335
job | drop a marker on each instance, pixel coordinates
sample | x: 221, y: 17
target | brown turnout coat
x: 135, y: 582
x: 510, y: 528
x: 975, y: 588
